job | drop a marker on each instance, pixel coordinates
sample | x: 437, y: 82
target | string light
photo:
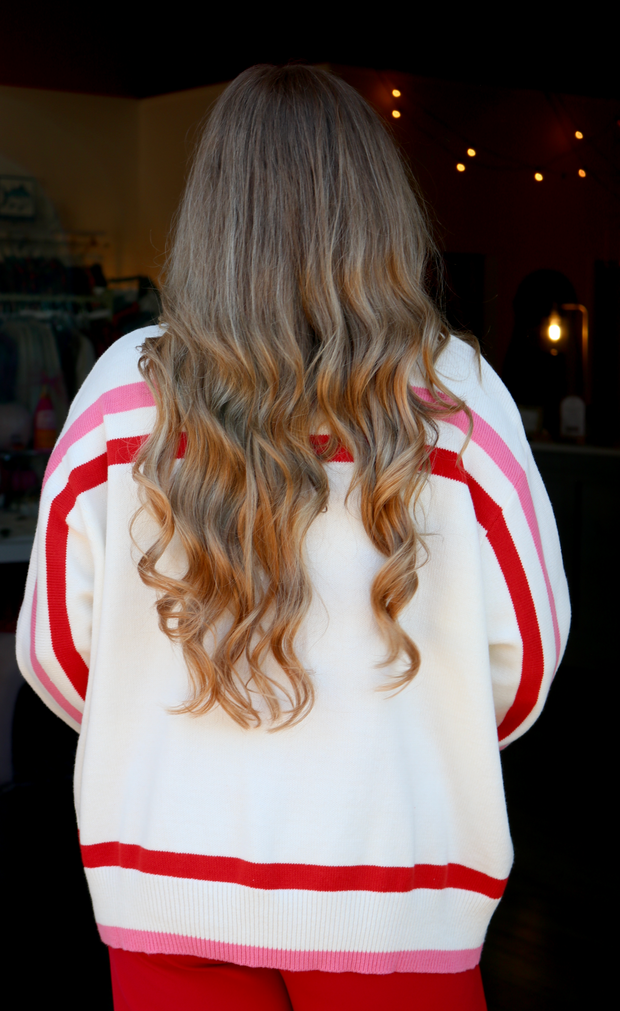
x: 472, y: 152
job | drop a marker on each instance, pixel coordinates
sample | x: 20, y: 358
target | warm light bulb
x: 582, y: 173
x: 460, y: 167
x: 471, y: 151
x: 554, y: 328
x: 396, y: 93
x: 538, y: 176
x: 578, y: 135
x: 396, y: 113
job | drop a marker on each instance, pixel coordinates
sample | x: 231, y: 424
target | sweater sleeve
x: 527, y: 604
x: 55, y: 623
x: 110, y: 416
x: 526, y: 594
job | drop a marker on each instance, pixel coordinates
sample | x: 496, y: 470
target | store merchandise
x: 45, y: 425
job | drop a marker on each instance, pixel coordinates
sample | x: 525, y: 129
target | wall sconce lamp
x: 554, y: 331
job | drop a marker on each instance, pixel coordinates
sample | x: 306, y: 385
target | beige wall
x: 83, y: 150
x: 110, y: 165
x: 168, y: 129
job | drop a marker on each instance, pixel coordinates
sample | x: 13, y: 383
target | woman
x: 295, y: 573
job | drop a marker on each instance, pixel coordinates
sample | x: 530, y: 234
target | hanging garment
x: 38, y: 365
x: 67, y: 339
x: 85, y: 359
x: 8, y: 367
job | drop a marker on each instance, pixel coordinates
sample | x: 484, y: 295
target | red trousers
x: 143, y: 982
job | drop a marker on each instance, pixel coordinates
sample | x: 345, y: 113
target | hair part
x: 295, y: 293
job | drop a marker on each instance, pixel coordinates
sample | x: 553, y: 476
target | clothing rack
x: 17, y: 240
x: 93, y: 306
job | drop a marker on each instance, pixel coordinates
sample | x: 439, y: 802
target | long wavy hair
x: 295, y: 294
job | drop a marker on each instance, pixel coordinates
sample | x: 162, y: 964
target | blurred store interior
x: 519, y: 164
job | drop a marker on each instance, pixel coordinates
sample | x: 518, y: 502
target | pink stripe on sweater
x: 370, y: 962
x: 492, y: 443
x: 122, y: 398
x: 49, y: 686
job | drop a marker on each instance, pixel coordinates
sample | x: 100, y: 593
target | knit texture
x: 371, y: 837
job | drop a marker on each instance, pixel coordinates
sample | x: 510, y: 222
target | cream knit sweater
x: 371, y: 837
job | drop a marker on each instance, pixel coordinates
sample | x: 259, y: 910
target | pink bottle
x: 44, y: 422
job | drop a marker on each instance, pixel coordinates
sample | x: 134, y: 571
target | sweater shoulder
x: 470, y: 377
x: 117, y: 368
x: 113, y: 401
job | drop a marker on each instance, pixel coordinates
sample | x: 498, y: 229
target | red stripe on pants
x: 142, y: 982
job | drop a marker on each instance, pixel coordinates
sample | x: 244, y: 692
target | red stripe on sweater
x: 124, y: 450
x: 305, y: 877
x: 491, y: 518
x: 319, y: 445
x: 83, y: 478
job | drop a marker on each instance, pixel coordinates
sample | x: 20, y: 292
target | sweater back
x: 373, y: 835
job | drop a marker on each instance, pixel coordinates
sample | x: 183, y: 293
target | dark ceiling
x: 133, y: 53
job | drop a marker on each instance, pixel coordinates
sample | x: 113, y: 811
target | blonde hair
x: 295, y: 290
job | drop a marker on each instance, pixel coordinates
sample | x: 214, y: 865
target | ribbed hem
x: 371, y: 962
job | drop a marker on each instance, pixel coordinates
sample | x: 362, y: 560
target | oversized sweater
x: 373, y: 835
